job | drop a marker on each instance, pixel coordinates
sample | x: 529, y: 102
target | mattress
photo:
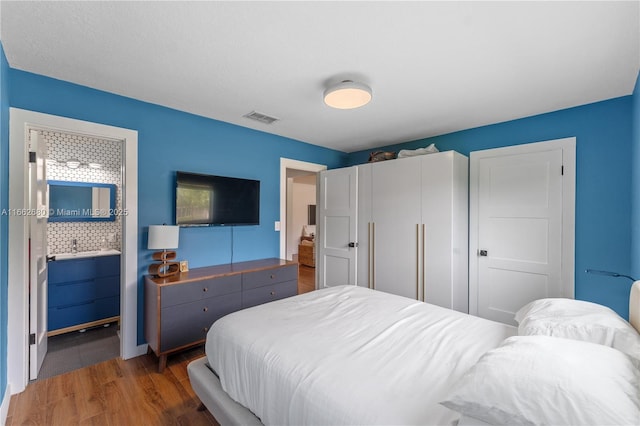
x: 347, y: 355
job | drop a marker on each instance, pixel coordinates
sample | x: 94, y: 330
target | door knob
x: 483, y: 253
x: 353, y: 244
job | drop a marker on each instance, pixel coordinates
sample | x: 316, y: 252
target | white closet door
x: 395, y: 206
x: 444, y: 233
x: 337, y: 228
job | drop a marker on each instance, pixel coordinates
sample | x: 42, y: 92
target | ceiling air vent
x: 263, y: 118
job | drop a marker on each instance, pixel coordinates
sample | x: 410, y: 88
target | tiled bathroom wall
x: 62, y: 147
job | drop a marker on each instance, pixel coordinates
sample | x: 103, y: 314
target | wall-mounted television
x: 208, y: 200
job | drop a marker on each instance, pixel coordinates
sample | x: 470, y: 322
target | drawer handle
x: 205, y: 309
x: 272, y: 276
x: 273, y: 293
x: 205, y: 289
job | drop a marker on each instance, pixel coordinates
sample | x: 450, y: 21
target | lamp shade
x: 163, y: 237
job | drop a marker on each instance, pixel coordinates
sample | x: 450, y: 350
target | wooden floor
x: 114, y: 392
x: 119, y: 393
x: 306, y: 279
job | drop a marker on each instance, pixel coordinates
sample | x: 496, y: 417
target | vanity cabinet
x: 180, y: 309
x: 83, y: 292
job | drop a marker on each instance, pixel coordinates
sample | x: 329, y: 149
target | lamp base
x: 164, y: 269
x: 164, y: 255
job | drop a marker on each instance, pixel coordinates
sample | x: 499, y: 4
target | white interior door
x: 519, y: 246
x: 38, y: 213
x: 337, y: 227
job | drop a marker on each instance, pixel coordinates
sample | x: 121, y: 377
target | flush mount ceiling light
x: 347, y: 95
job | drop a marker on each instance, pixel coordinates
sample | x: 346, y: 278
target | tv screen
x: 216, y: 200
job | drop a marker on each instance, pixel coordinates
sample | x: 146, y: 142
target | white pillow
x: 578, y: 320
x: 544, y: 380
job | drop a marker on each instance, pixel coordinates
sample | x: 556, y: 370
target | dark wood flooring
x: 120, y: 393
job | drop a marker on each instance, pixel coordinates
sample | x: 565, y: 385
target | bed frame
x: 207, y: 385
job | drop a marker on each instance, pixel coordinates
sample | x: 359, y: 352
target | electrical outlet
x: 277, y: 225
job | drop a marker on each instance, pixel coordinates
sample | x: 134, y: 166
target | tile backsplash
x: 86, y: 149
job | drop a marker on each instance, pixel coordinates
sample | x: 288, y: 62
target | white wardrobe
x: 411, y: 230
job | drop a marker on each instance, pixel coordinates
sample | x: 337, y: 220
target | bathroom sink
x: 81, y: 254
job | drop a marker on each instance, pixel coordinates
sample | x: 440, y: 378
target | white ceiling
x: 434, y: 67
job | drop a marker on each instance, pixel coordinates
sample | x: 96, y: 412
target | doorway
x: 21, y: 122
x: 298, y: 197
x: 83, y: 318
x: 521, y: 239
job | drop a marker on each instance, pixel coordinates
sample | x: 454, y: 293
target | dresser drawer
x: 183, y: 293
x: 269, y: 293
x: 251, y: 280
x: 189, y: 322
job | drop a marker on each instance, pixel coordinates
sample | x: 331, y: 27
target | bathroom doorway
x: 83, y: 242
x: 18, y: 339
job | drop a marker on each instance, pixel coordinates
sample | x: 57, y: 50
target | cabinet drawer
x: 71, y: 270
x: 251, y: 280
x: 107, y: 266
x: 83, y: 269
x: 189, y: 292
x: 67, y: 316
x: 269, y: 293
x: 189, y: 322
x: 76, y: 292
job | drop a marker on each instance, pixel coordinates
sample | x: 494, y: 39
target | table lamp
x: 163, y: 237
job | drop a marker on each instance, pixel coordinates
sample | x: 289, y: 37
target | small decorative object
x: 164, y: 237
x: 381, y: 156
x: 184, y: 266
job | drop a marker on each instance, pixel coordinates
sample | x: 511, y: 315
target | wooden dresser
x: 307, y: 252
x: 180, y: 309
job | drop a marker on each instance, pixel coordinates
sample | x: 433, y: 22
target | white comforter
x: 347, y: 355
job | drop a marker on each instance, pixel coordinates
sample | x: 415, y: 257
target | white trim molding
x: 20, y: 121
x: 4, y: 408
x: 286, y: 163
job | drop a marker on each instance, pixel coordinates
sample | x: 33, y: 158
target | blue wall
x: 170, y: 140
x: 635, y: 182
x: 603, y: 184
x: 4, y: 220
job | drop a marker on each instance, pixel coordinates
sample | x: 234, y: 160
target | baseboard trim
x: 141, y: 349
x: 4, y: 408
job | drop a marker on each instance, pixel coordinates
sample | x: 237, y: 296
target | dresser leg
x: 162, y: 363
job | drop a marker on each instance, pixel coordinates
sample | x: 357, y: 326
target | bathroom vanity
x: 83, y: 290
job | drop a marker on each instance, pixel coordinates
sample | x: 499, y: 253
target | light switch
x: 277, y: 225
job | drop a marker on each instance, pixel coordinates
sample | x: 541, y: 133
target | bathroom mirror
x: 81, y: 201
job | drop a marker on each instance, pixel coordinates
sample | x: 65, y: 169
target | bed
x: 350, y: 355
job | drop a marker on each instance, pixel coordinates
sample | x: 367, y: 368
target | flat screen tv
x: 207, y: 200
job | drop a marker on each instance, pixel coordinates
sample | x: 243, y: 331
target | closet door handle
x: 372, y: 247
x: 417, y: 261
x: 352, y: 244
x: 424, y: 261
